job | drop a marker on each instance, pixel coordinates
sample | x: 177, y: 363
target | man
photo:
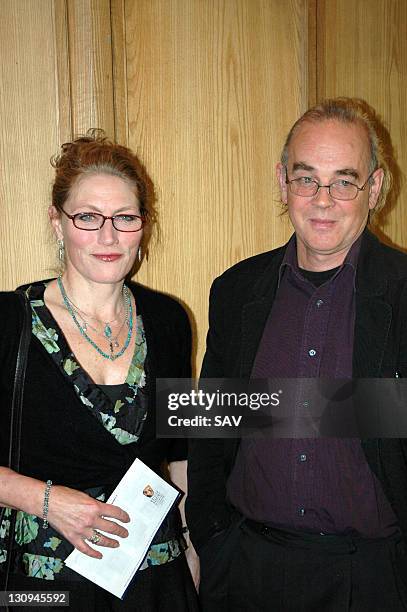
x: 309, y: 524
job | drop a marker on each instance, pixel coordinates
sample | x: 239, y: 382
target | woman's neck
x: 101, y: 300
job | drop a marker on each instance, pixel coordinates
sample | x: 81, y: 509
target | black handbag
x: 15, y: 424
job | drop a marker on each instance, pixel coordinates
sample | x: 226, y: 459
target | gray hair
x: 350, y: 110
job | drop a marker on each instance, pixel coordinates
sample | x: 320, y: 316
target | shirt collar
x: 290, y: 260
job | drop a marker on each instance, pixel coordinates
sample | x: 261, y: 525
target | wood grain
x: 212, y: 89
x: 63, y: 80
x: 90, y: 65
x: 205, y: 91
x: 312, y: 52
x: 362, y: 52
x: 28, y: 136
x: 119, y: 61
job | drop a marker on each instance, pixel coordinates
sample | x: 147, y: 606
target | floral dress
x: 120, y: 410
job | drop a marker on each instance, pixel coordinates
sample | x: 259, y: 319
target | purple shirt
x: 321, y: 485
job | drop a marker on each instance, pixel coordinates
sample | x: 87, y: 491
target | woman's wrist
x: 22, y: 493
x: 45, y: 505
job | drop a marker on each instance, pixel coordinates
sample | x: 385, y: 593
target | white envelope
x: 147, y: 499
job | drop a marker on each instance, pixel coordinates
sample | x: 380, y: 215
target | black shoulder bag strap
x: 16, y: 418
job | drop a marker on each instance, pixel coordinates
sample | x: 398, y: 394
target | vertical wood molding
x: 91, y: 69
x: 28, y: 137
x: 63, y: 80
x: 320, y: 66
x: 118, y: 26
x: 362, y: 52
x: 312, y: 53
x: 212, y: 88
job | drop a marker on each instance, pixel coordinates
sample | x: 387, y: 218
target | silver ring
x: 96, y: 537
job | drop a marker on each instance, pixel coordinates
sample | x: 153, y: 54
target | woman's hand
x: 76, y: 516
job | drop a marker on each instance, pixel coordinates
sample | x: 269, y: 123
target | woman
x: 97, y: 345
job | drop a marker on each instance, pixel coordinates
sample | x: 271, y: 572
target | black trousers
x: 161, y: 588
x: 246, y: 569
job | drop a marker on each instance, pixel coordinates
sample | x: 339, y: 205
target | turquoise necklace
x: 107, y: 330
x: 107, y: 333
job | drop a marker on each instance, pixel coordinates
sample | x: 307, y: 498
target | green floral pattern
x: 26, y: 528
x: 4, y: 531
x: 123, y: 419
x: 52, y: 543
x: 162, y: 553
x: 124, y: 437
x: 136, y: 374
x: 5, y: 525
x: 39, y: 566
x: 70, y: 366
x: 117, y: 406
x: 48, y: 337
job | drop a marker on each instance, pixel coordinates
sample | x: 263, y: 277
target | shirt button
x: 312, y: 352
x: 301, y: 511
x: 319, y: 303
x: 303, y: 457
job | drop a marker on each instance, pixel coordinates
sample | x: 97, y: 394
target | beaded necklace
x: 83, y: 314
x: 129, y: 308
x: 107, y: 333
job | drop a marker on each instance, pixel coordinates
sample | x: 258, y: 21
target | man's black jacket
x: 240, y: 303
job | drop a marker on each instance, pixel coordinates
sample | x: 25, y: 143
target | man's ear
x: 281, y: 177
x: 375, y: 185
x: 55, y: 219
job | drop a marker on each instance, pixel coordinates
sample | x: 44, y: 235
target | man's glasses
x: 341, y: 189
x: 90, y: 221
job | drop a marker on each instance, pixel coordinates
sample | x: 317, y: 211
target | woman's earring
x: 61, y: 249
x: 139, y: 253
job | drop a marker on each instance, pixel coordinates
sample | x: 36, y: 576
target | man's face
x: 325, y: 227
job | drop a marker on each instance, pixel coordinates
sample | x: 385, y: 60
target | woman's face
x: 105, y: 255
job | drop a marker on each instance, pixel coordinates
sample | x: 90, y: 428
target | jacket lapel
x: 255, y: 313
x: 373, y: 313
x: 373, y: 319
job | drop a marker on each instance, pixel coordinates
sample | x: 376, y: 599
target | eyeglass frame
x: 72, y: 218
x: 362, y: 188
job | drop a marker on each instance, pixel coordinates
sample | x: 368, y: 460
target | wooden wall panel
x: 119, y: 66
x: 28, y: 137
x: 63, y: 76
x: 362, y: 52
x: 204, y: 91
x: 90, y: 65
x: 57, y: 81
x: 212, y: 89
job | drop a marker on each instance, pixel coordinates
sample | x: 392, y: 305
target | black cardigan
x: 61, y: 440
x: 240, y: 303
